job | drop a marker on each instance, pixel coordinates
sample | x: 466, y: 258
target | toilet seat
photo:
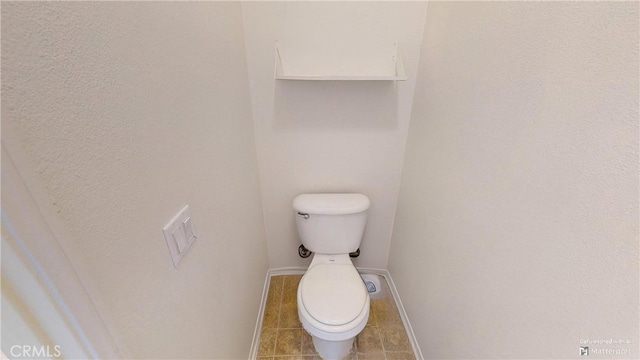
x: 333, y: 294
x: 333, y: 303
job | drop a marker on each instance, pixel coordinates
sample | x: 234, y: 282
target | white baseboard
x: 300, y: 270
x: 287, y: 271
x: 256, y: 332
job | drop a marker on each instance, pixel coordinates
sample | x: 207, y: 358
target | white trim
x: 256, y: 332
x: 27, y: 229
x: 287, y: 271
x: 34, y: 296
x: 300, y: 270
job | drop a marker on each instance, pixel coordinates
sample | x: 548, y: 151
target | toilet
x: 333, y: 302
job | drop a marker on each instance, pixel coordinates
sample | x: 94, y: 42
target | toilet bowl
x: 333, y: 302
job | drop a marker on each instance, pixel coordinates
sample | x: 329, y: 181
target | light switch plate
x: 179, y: 235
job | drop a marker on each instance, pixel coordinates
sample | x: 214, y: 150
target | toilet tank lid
x: 331, y: 204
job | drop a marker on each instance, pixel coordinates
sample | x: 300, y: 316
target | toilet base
x: 332, y: 350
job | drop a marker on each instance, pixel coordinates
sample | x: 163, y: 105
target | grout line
x: 280, y: 302
x: 275, y: 342
x: 299, y: 332
x: 384, y: 351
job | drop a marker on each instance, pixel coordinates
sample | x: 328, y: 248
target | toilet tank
x: 331, y: 223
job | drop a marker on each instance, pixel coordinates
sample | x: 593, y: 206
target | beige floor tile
x: 400, y: 356
x: 368, y: 341
x: 289, y: 316
x: 272, y: 305
x: 289, y: 342
x: 371, y: 356
x: 267, y: 342
x: 275, y: 287
x: 385, y: 312
x: 352, y: 355
x: 282, y: 336
x: 371, y: 321
x: 394, y: 338
x: 307, y: 344
x: 290, y: 288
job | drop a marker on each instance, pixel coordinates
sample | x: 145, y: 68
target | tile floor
x: 283, y: 338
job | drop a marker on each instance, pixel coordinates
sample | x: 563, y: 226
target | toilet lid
x: 333, y: 294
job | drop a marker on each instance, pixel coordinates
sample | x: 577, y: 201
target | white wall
x: 41, y: 289
x: 330, y: 136
x: 126, y: 112
x: 516, y: 234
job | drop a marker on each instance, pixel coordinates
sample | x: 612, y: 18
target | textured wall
x: 127, y: 112
x: 516, y: 234
x: 330, y: 136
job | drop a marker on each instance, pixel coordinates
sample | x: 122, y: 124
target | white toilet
x: 333, y: 302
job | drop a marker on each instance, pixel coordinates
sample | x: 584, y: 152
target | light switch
x: 188, y: 230
x: 180, y: 239
x: 179, y: 235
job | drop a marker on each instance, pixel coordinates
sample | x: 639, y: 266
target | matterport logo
x: 607, y: 346
x: 35, y: 352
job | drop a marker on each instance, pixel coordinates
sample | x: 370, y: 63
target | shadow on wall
x: 346, y: 105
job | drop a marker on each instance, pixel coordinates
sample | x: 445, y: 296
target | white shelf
x: 397, y: 75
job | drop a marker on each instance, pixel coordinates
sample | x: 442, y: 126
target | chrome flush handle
x: 303, y: 215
